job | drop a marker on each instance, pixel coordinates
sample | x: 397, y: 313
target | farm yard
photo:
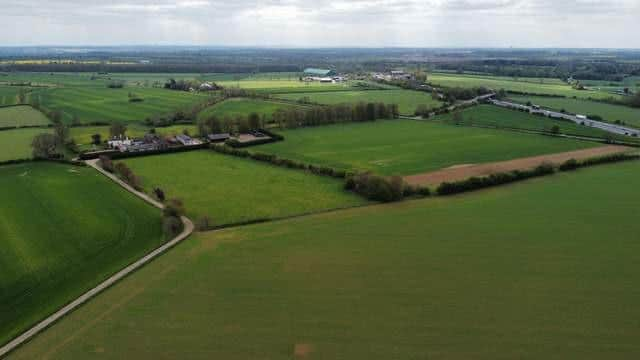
x: 82, y: 135
x: 63, y: 229
x: 611, y: 113
x: 406, y: 147
x: 407, y: 100
x: 488, y: 275
x: 19, y: 116
x: 232, y: 190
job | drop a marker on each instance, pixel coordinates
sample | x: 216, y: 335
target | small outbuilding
x: 216, y: 138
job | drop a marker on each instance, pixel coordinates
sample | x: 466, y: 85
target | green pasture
x: 548, y: 86
x: 8, y: 95
x: 63, y: 229
x: 231, y: 190
x: 609, y: 112
x: 545, y: 269
x: 16, y: 144
x: 407, y: 100
x: 101, y: 104
x: 284, y: 85
x: 18, y: 116
x: 405, y: 147
x: 243, y: 107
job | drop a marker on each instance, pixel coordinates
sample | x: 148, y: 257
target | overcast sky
x: 321, y: 23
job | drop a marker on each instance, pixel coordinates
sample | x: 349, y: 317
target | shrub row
x: 525, y: 93
x: 574, y: 164
x: 122, y: 171
x: 60, y: 161
x: 475, y: 183
x: 5, y: 128
x: 379, y: 188
x: 171, y: 222
x: 287, y: 163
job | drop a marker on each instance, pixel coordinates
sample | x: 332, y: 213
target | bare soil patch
x: 463, y: 172
x: 302, y: 351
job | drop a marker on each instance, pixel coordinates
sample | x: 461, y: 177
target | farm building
x: 323, y: 73
x: 219, y: 137
x: 187, y: 140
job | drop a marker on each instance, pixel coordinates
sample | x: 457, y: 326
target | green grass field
x: 99, y: 103
x: 16, y: 144
x: 407, y: 100
x: 263, y: 84
x: 545, y: 269
x: 493, y: 116
x: 18, y: 116
x: 232, y: 190
x: 63, y: 229
x: 549, y: 86
x: 406, y: 147
x: 608, y: 112
x: 8, y: 95
x: 243, y: 107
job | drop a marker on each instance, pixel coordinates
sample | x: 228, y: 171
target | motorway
x: 612, y: 128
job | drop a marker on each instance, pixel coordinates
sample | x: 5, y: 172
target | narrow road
x: 188, y: 230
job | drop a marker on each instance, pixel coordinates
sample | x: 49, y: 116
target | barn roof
x: 318, y: 72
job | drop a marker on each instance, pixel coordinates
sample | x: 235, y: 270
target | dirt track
x: 462, y: 172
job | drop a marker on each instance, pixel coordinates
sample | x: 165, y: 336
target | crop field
x: 92, y: 104
x: 551, y: 86
x: 608, y: 112
x: 51, y: 79
x: 520, y: 271
x: 243, y: 107
x: 17, y: 116
x: 231, y: 190
x: 284, y: 86
x: 407, y: 100
x: 274, y: 84
x: 406, y: 147
x: 63, y: 229
x: 493, y: 116
x: 16, y: 144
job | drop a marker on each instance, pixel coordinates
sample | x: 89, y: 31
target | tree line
x: 331, y: 114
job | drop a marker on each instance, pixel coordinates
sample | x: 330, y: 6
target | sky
x: 323, y: 23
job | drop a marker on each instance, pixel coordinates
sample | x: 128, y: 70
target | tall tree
x: 117, y: 129
x: 44, y: 146
x: 254, y: 121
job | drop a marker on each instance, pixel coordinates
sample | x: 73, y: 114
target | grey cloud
x: 595, y: 23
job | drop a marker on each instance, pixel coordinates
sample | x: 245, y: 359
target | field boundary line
x: 463, y: 172
x: 70, y: 307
